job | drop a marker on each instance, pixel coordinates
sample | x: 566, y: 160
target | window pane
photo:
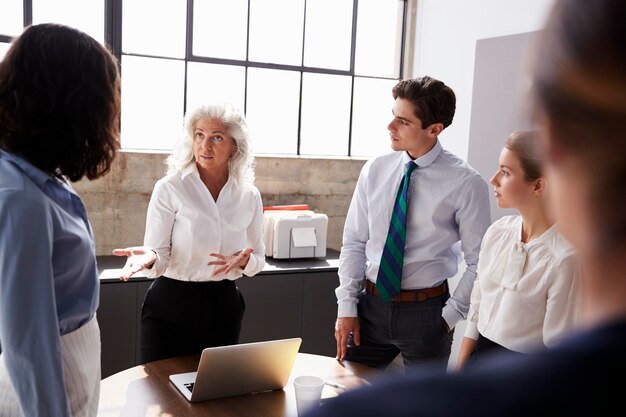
x: 220, y: 28
x: 328, y: 34
x: 325, y: 114
x: 87, y: 16
x: 11, y: 17
x: 209, y: 83
x: 370, y: 116
x: 4, y: 47
x: 152, y: 109
x: 378, y: 38
x: 154, y: 28
x: 272, y: 112
x: 276, y: 31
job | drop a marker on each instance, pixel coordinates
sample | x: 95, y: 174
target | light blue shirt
x: 448, y: 214
x: 48, y: 280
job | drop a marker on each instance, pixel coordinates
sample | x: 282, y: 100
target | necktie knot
x: 409, y: 167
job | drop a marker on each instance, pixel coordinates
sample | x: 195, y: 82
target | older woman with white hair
x: 203, y: 231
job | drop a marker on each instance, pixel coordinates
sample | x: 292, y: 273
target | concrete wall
x: 117, y: 203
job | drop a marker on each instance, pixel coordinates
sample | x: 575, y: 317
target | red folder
x: 287, y: 207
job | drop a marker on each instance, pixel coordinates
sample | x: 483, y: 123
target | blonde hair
x: 523, y: 143
x: 240, y: 165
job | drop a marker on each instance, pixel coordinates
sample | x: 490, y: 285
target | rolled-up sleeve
x: 473, y: 218
x: 353, y: 259
x: 159, y: 223
x: 254, y: 236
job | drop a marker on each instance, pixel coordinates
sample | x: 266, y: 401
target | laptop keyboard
x: 189, y: 386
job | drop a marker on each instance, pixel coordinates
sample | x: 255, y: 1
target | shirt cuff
x: 347, y: 309
x: 252, y: 267
x: 451, y: 316
x: 156, y: 266
x: 471, y: 330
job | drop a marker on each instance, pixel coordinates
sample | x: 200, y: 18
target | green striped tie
x: 392, y: 261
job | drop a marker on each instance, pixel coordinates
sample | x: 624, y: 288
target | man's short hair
x: 433, y: 101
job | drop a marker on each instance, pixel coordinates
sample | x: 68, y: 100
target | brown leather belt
x: 407, y: 296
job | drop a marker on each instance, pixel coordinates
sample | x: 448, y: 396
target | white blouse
x: 525, y: 294
x: 184, y: 225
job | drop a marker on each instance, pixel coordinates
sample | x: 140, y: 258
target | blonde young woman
x: 526, y: 292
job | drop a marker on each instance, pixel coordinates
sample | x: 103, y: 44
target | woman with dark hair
x: 579, y: 84
x: 59, y: 122
x: 526, y: 289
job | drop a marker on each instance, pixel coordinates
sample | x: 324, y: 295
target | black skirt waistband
x: 225, y: 283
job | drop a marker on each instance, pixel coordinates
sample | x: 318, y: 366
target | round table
x: 145, y: 390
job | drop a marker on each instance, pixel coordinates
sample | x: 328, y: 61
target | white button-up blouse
x: 184, y: 225
x: 525, y: 294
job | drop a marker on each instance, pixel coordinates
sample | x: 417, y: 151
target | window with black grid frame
x: 313, y: 77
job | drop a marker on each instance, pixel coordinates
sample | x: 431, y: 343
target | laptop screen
x: 241, y: 369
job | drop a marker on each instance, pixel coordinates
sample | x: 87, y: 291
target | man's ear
x: 435, y: 129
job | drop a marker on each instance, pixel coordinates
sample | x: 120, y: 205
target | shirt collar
x: 193, y: 169
x: 189, y: 169
x: 427, y: 159
x: 38, y: 176
x: 546, y: 235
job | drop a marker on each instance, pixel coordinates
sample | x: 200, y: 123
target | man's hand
x: 343, y: 327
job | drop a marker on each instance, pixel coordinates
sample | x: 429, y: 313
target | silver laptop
x: 247, y: 368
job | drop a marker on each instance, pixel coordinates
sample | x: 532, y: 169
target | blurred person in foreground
x: 579, y: 87
x: 59, y: 122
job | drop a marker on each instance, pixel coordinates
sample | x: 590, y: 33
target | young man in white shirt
x: 447, y: 212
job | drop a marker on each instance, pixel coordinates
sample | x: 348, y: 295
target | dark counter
x: 288, y: 298
x: 109, y: 264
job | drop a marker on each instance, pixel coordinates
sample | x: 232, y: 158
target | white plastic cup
x: 308, y: 392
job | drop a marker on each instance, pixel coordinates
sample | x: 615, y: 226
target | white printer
x: 291, y: 232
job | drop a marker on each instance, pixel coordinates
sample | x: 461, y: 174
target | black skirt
x: 485, y: 348
x: 182, y: 317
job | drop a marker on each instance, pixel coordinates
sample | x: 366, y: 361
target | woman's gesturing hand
x: 226, y: 263
x: 139, y: 258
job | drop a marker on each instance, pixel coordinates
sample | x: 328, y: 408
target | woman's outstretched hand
x: 226, y: 263
x: 139, y: 258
